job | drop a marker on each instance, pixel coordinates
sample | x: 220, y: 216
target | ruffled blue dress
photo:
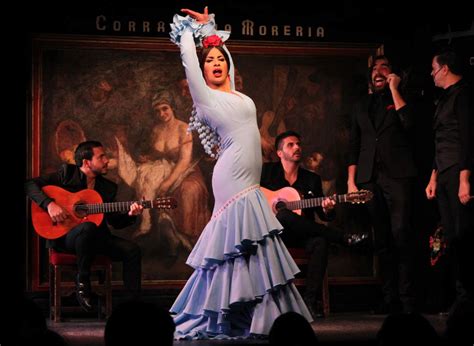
x: 243, y: 272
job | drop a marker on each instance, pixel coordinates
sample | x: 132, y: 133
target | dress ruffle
x: 199, y: 30
x: 243, y: 277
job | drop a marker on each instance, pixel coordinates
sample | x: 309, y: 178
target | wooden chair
x: 301, y: 259
x: 59, y: 263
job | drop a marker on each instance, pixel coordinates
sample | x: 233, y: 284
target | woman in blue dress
x: 243, y: 272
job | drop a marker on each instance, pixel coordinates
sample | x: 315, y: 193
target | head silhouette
x: 139, y: 323
x: 459, y: 323
x: 292, y: 329
x: 407, y: 328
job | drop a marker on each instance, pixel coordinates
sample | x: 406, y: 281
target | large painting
x: 112, y: 90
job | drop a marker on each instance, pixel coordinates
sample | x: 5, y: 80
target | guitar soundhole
x: 80, y: 209
x: 280, y: 205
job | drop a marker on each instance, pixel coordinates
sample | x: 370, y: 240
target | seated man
x: 87, y: 240
x: 304, y: 231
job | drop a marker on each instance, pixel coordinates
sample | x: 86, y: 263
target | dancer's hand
x: 201, y: 18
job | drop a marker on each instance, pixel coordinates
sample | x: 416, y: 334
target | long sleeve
x: 405, y: 115
x: 197, y: 84
x: 465, y: 116
x: 354, y: 142
x: 188, y: 34
x: 33, y: 187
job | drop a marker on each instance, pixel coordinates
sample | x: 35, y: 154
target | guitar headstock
x: 164, y: 203
x: 359, y: 197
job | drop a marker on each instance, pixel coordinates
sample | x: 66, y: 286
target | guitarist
x: 304, y: 231
x: 87, y: 240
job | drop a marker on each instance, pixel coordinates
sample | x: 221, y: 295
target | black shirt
x: 307, y: 183
x: 454, y: 128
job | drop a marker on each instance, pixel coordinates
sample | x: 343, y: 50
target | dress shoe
x: 83, y: 295
x: 356, y: 239
x: 319, y: 309
x: 316, y: 310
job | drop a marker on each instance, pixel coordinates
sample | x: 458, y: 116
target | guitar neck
x: 313, y: 202
x: 99, y: 208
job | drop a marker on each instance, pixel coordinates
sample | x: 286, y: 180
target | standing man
x: 87, y: 240
x: 304, y: 231
x: 381, y: 160
x: 451, y: 178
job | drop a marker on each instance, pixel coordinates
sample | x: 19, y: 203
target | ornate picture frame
x: 106, y: 88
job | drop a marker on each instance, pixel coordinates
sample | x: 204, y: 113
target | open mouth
x: 217, y: 72
x: 379, y: 81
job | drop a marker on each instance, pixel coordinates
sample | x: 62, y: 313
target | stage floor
x: 336, y: 329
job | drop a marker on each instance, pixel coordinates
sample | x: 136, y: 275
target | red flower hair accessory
x: 212, y: 41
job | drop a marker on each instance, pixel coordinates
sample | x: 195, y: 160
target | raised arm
x: 203, y: 18
x: 188, y: 33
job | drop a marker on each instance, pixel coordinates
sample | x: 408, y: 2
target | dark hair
x: 407, y: 328
x: 84, y: 151
x: 51, y: 338
x: 205, y: 53
x: 380, y: 57
x: 32, y: 323
x: 136, y: 323
x: 290, y: 329
x: 459, y: 323
x: 374, y: 60
x: 448, y: 57
x: 279, y: 139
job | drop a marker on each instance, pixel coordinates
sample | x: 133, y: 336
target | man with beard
x: 381, y: 160
x: 303, y: 230
x: 86, y: 240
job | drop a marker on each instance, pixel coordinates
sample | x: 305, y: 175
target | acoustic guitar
x: 289, y: 198
x: 85, y: 205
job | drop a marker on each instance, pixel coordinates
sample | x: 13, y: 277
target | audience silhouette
x: 51, y: 338
x: 32, y: 321
x: 460, y: 322
x: 139, y: 323
x: 292, y: 329
x: 33, y: 329
x: 405, y: 329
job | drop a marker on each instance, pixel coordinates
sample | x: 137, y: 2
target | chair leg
x: 325, y: 295
x: 101, y: 295
x: 57, y: 294
x: 108, y: 291
x: 51, y: 292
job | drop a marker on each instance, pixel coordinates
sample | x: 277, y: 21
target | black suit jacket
x: 389, y: 144
x: 454, y: 128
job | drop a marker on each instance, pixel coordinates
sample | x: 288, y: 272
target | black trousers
x: 390, y: 211
x: 87, y: 240
x: 315, y: 238
x: 457, y: 221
